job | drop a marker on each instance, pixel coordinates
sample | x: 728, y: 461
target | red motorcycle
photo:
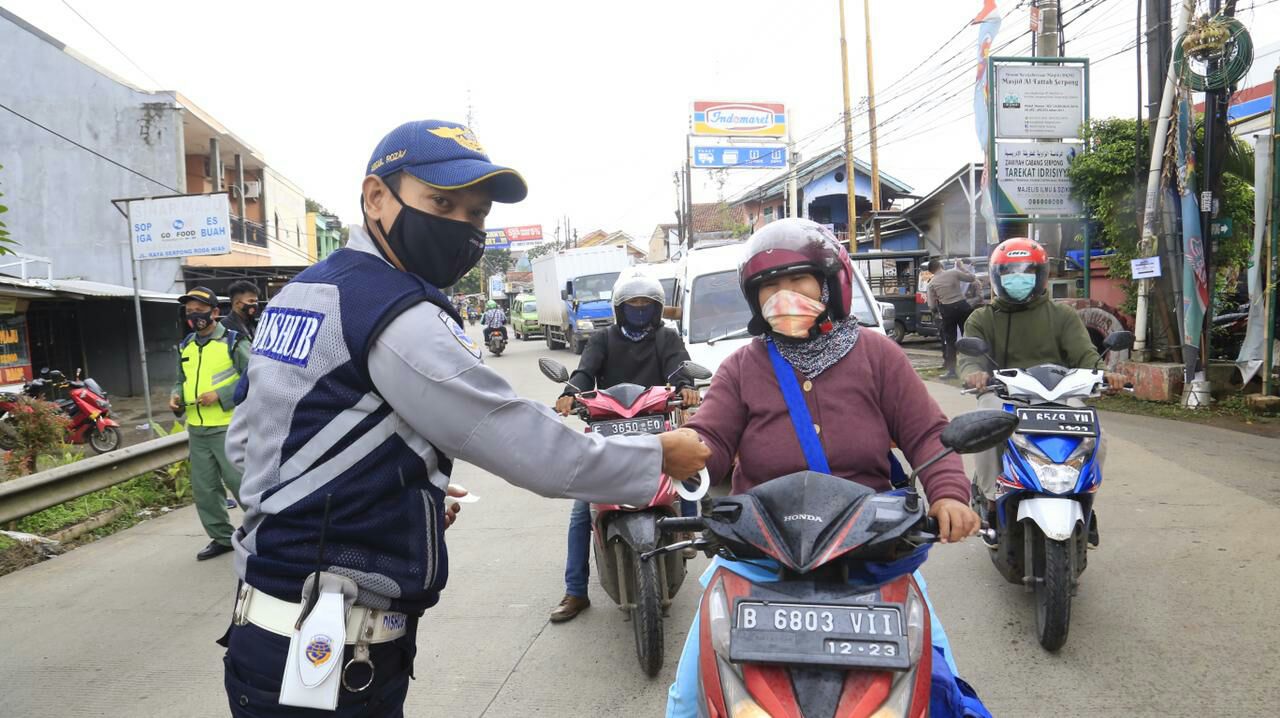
x: 834, y: 624
x: 86, y: 406
x: 622, y: 534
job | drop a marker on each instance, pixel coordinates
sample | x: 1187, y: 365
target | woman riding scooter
x: 861, y: 392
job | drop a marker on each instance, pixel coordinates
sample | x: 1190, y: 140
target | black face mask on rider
x: 438, y: 249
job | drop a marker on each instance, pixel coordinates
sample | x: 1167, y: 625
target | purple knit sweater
x: 868, y: 399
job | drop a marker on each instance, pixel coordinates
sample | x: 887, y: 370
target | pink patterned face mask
x: 792, y: 314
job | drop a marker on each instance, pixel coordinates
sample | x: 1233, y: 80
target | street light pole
x: 851, y: 226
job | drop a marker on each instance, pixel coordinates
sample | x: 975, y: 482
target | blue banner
x: 496, y: 239
x: 743, y: 157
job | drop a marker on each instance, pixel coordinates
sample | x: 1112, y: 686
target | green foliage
x: 5, y: 239
x: 1102, y: 179
x: 314, y: 206
x: 136, y: 493
x: 494, y: 261
x: 176, y: 476
x: 39, y: 427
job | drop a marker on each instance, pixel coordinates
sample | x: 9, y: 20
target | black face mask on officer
x: 438, y: 249
x: 199, y: 321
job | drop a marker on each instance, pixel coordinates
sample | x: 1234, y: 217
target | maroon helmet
x: 796, y: 246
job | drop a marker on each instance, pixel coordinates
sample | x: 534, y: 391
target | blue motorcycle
x: 1044, y: 518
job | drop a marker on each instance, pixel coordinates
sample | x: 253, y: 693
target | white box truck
x: 574, y: 289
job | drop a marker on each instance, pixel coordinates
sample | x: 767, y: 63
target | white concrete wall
x: 58, y: 195
x: 284, y: 203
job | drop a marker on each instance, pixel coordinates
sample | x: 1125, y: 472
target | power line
x: 112, y: 44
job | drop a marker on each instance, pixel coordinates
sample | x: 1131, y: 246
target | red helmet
x: 796, y: 246
x: 1019, y: 255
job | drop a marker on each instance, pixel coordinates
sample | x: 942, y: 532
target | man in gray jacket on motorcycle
x: 362, y: 391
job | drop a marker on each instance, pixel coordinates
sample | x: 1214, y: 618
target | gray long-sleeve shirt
x: 437, y: 384
x: 947, y: 287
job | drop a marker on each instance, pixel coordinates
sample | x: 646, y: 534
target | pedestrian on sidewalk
x: 244, y: 308
x: 211, y: 360
x: 950, y: 309
x: 362, y: 392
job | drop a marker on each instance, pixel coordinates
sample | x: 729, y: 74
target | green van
x: 524, y: 317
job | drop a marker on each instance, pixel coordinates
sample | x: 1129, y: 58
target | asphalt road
x: 1176, y: 615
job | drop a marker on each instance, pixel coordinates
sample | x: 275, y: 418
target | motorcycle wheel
x: 646, y: 617
x: 1053, y: 595
x: 104, y: 440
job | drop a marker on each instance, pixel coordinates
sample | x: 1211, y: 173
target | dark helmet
x: 1016, y: 256
x: 796, y: 246
x: 637, y: 285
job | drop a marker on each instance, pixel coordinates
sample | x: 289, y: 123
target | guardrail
x: 27, y: 495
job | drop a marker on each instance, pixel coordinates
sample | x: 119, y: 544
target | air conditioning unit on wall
x: 252, y: 189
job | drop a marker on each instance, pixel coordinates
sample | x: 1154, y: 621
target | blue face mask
x: 640, y: 318
x: 1018, y: 286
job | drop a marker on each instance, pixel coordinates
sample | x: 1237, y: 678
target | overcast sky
x: 589, y: 100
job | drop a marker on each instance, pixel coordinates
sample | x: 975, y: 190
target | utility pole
x: 688, y: 202
x: 1215, y: 143
x: 1159, y: 34
x: 1048, y: 44
x: 851, y: 226
x: 871, y: 120
x: 679, y: 208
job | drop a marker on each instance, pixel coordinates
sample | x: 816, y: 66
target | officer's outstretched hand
x: 683, y: 453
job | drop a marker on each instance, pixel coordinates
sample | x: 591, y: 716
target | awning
x: 74, y: 289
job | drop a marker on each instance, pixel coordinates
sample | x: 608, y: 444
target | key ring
x: 362, y: 660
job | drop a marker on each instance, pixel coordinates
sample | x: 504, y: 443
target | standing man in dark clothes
x: 243, y: 318
x: 950, y: 309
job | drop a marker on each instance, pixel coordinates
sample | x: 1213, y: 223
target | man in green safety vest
x: 211, y: 360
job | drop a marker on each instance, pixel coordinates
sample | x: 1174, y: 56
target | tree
x: 5, y: 239
x: 1102, y: 179
x: 544, y: 248
x: 314, y: 206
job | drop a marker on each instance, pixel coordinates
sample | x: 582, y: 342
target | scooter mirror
x: 553, y: 370
x: 979, y: 430
x: 1119, y: 341
x: 972, y: 346
x: 695, y: 371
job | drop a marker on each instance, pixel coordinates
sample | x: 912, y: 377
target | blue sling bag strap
x: 814, y: 455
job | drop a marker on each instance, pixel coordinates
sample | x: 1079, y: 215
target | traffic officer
x: 362, y: 391
x: 210, y: 361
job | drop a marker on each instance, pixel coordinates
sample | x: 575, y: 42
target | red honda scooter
x: 87, y: 408
x: 845, y: 630
x: 622, y: 533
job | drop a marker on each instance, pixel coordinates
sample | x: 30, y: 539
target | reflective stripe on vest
x: 207, y: 368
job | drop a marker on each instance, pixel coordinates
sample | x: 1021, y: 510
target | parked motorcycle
x: 1044, y: 518
x: 86, y: 406
x: 496, y: 341
x: 845, y: 629
x: 644, y: 589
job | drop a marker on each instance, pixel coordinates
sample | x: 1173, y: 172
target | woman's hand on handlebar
x: 689, y: 396
x: 564, y: 405
x: 956, y: 521
x: 1115, y: 382
x: 977, y: 379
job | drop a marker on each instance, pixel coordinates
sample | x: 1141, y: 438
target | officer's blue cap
x: 445, y: 155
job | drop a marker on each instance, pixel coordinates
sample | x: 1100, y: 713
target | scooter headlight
x: 1055, y: 478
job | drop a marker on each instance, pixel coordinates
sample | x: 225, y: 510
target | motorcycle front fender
x: 1056, y: 517
x: 103, y: 421
x: 639, y: 529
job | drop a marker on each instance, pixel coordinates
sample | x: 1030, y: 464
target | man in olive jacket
x: 1024, y: 328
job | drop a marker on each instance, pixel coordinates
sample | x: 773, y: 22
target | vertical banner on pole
x: 1195, y: 288
x: 988, y: 28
